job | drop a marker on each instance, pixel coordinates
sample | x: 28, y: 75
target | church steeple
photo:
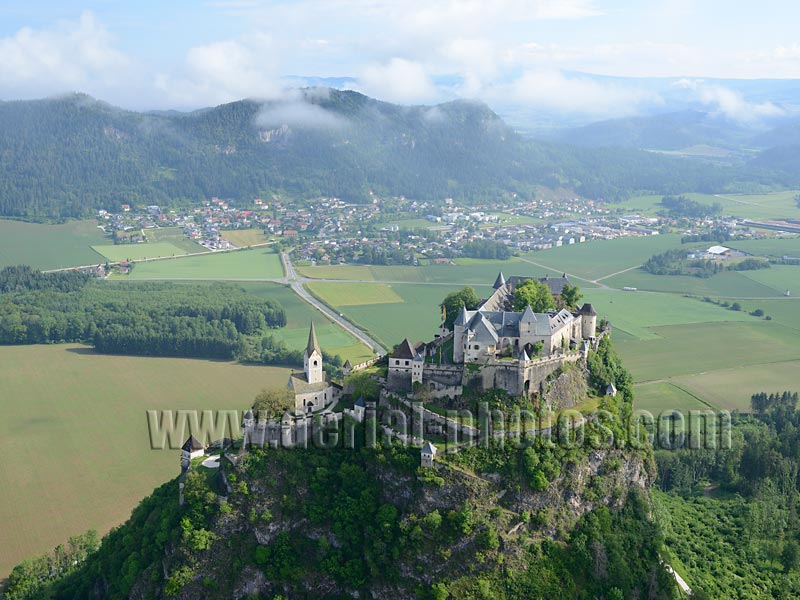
x: 313, y: 344
x: 499, y: 282
x: 312, y: 358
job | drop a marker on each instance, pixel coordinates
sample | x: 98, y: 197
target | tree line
x: 146, y: 319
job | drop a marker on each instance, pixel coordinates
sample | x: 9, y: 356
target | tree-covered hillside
x: 68, y: 156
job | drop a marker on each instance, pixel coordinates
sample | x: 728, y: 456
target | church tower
x: 312, y: 358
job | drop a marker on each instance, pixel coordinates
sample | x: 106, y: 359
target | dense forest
x: 731, y: 514
x: 148, y: 319
x: 69, y: 156
x: 681, y: 206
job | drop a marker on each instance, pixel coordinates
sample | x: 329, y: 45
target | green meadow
x: 637, y: 313
x: 416, y: 315
x: 299, y: 315
x: 463, y: 271
x: 174, y: 236
x: 662, y: 396
x: 258, y: 263
x: 600, y: 258
x: 125, y: 252
x: 50, y: 246
x: 731, y: 284
x: 78, y: 419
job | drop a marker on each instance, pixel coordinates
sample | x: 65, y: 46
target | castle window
x: 406, y: 363
x: 315, y: 363
x: 477, y: 347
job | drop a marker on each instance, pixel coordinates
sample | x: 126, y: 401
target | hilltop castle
x: 496, y: 347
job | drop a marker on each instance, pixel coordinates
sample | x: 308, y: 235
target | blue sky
x: 186, y: 54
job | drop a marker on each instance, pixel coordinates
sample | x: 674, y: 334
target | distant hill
x: 672, y: 131
x: 69, y: 156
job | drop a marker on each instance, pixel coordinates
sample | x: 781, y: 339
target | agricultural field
x: 732, y: 388
x: 415, y: 315
x: 299, y: 314
x: 730, y: 284
x: 702, y: 347
x: 244, y: 237
x: 258, y: 263
x: 601, y: 258
x: 780, y: 278
x: 637, y: 313
x: 463, y: 271
x: 775, y: 246
x: 662, y: 396
x: 81, y: 427
x: 174, y: 236
x: 345, y: 294
x: 125, y: 252
x: 50, y: 246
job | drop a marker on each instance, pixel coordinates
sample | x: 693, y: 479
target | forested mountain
x: 671, y: 131
x: 68, y: 156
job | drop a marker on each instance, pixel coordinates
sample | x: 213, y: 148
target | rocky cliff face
x: 503, y: 516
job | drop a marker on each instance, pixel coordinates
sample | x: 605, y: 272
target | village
x: 399, y: 230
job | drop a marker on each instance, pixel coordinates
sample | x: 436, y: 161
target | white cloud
x: 225, y: 71
x: 552, y: 90
x: 72, y: 55
x: 732, y: 105
x: 399, y: 80
x: 295, y: 110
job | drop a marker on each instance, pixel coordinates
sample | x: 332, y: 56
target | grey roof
x: 462, y: 317
x: 298, y: 383
x: 484, y: 331
x: 428, y: 448
x: 419, y: 357
x: 556, y: 284
x: 248, y: 414
x: 500, y: 281
x: 312, y: 345
x: 347, y: 364
x: 192, y: 444
x: 360, y: 402
x: 528, y: 316
x: 404, y: 350
x: 588, y: 309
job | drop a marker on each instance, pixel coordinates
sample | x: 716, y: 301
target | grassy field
x: 299, y: 314
x: 174, y: 236
x: 732, y: 388
x: 637, y: 313
x: 662, y: 396
x: 50, y: 246
x: 703, y: 347
x: 258, y: 263
x: 415, y: 314
x: 780, y: 278
x: 776, y: 246
x: 244, y: 237
x: 601, y: 258
x: 120, y: 252
x: 729, y: 284
x: 758, y: 206
x: 463, y: 271
x: 354, y: 294
x: 75, y: 437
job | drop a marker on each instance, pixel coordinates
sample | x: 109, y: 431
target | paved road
x: 297, y: 285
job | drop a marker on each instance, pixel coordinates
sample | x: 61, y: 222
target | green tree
x: 273, y: 403
x: 535, y: 294
x: 571, y: 296
x: 454, y: 301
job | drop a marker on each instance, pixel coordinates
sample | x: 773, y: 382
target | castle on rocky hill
x: 496, y: 347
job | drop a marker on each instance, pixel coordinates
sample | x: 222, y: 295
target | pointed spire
x: 499, y: 282
x: 523, y: 356
x: 528, y: 316
x: 313, y: 344
x: 462, y: 317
